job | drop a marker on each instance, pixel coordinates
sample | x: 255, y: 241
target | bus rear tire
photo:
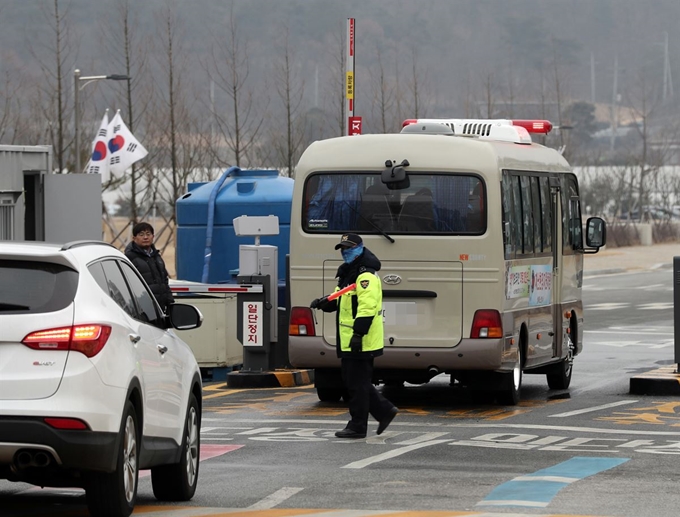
x: 509, y: 395
x: 561, y: 379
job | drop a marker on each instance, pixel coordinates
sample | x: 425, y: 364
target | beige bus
x: 479, y: 233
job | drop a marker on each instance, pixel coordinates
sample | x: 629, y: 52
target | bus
x: 479, y: 232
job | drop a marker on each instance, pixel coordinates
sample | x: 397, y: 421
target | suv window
x: 145, y: 300
x: 116, y: 287
x: 35, y: 287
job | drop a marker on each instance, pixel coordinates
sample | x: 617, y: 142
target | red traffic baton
x: 342, y: 291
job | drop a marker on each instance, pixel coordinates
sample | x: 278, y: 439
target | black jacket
x: 152, y: 269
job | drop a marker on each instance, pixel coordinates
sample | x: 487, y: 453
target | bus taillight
x: 486, y: 324
x: 301, y: 322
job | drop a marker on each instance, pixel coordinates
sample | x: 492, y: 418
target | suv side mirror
x: 596, y: 233
x: 184, y: 317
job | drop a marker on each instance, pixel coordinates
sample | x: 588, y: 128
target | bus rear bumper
x: 468, y: 354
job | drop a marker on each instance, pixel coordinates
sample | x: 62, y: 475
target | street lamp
x: 77, y: 87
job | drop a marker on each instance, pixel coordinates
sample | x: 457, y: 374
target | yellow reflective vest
x: 364, y: 301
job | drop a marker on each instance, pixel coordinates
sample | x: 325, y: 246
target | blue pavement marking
x: 538, y: 489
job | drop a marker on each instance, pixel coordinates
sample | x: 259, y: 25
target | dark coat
x: 152, y: 269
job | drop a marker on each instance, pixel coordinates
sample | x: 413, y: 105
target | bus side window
x: 527, y: 218
x: 536, y: 214
x: 571, y: 216
x: 546, y: 209
x: 509, y: 211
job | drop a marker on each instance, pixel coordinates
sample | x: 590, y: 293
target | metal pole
x: 76, y: 84
x: 676, y: 311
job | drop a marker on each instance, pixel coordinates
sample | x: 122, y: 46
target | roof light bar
x: 532, y: 126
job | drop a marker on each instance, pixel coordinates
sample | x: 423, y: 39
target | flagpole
x: 77, y: 87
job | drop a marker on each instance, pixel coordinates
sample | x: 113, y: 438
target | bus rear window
x: 432, y: 204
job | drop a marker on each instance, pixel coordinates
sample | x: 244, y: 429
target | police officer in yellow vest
x: 359, y: 335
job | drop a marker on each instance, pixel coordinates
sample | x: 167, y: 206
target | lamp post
x: 77, y: 87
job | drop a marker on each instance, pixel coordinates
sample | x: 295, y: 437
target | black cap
x: 349, y: 240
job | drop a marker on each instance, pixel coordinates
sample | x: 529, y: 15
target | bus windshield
x: 449, y: 204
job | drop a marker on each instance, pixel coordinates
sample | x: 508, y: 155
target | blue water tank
x: 244, y: 192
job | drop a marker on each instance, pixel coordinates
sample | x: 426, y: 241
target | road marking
x: 659, y: 306
x: 275, y: 499
x: 538, y: 489
x: 594, y: 408
x: 612, y: 306
x: 465, y: 425
x: 391, y: 454
x: 641, y: 332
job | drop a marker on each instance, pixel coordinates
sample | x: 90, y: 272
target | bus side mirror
x: 596, y: 233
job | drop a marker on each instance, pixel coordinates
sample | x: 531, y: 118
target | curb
x: 269, y: 378
x: 663, y: 381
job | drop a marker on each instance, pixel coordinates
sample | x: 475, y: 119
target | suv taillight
x: 87, y: 339
x: 486, y: 324
x: 301, y: 322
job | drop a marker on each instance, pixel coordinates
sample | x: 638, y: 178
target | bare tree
x: 290, y: 90
x: 419, y: 81
x: 230, y: 71
x: 383, y: 96
x: 655, y: 135
x: 56, y: 58
x: 11, y: 119
x: 336, y: 64
x: 122, y: 32
x: 173, y: 130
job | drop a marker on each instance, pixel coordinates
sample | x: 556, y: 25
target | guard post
x: 257, y: 313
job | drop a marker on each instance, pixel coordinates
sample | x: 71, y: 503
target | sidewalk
x: 631, y: 258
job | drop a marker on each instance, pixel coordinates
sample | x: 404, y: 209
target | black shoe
x: 382, y: 424
x: 348, y: 433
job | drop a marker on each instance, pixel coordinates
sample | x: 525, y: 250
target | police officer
x: 359, y: 335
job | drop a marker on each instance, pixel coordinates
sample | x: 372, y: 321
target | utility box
x: 214, y: 343
x: 38, y: 205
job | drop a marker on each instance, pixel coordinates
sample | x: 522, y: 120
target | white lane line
x: 594, y: 408
x: 275, y: 499
x: 629, y: 332
x: 391, y: 454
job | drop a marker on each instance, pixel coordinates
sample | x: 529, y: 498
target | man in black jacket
x: 146, y: 258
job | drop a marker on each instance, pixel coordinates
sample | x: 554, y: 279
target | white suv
x: 94, y: 384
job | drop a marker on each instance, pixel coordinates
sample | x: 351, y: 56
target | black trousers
x: 364, y: 398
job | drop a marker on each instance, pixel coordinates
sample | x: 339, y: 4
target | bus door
x: 538, y: 244
x: 554, y: 191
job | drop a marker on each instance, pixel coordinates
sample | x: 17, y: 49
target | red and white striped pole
x: 350, y: 128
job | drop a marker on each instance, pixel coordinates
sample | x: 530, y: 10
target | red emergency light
x: 534, y: 126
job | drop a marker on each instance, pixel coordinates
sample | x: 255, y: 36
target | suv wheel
x: 177, y: 482
x: 114, y: 494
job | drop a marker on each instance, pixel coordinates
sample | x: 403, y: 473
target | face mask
x: 350, y: 255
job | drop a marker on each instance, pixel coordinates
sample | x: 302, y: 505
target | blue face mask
x: 350, y: 255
